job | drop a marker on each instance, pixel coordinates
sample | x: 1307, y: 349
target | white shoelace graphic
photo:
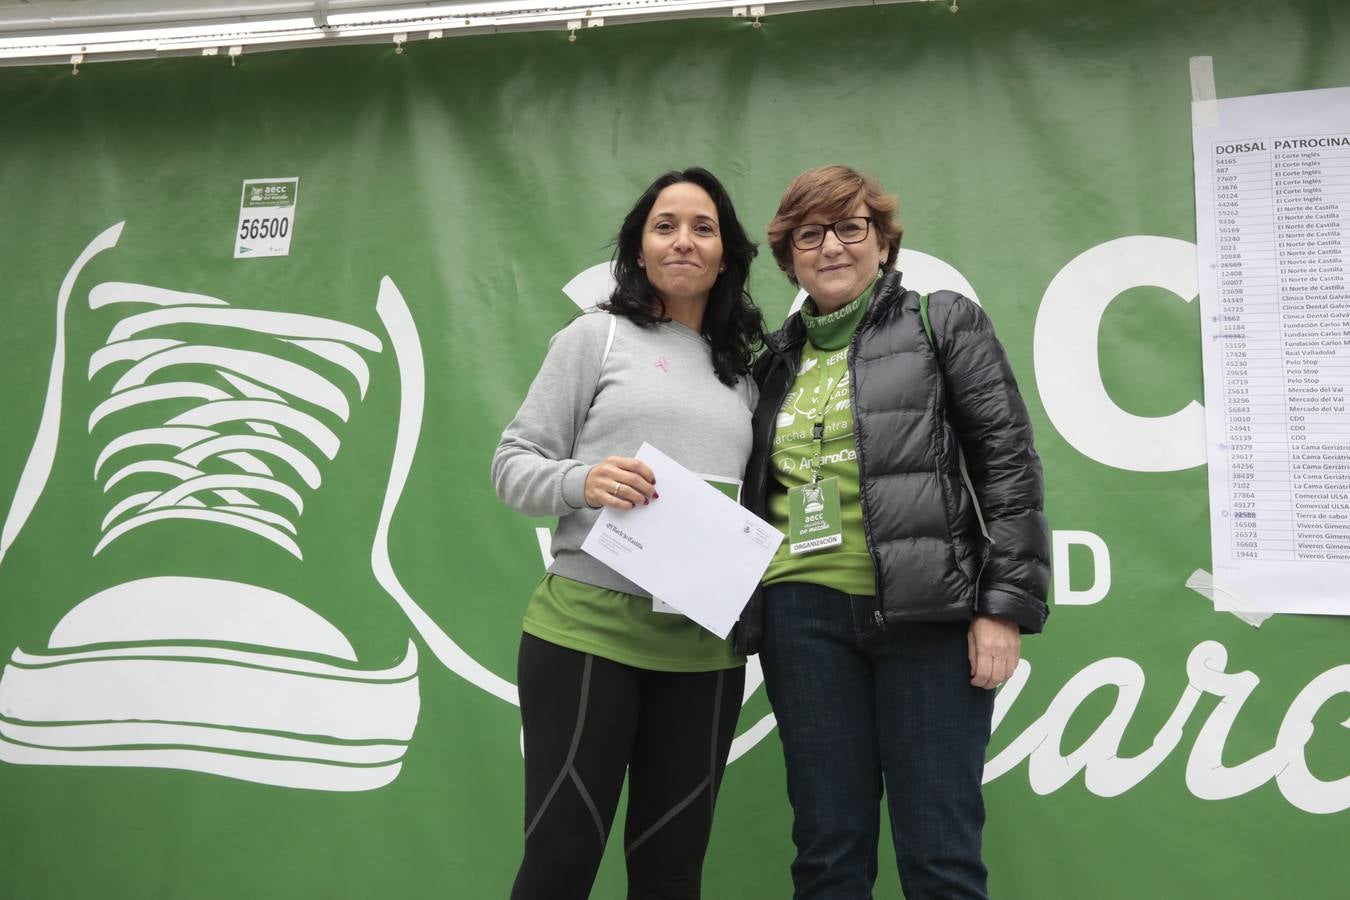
x: 237, y: 421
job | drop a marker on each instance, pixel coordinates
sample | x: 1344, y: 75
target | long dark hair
x: 732, y: 324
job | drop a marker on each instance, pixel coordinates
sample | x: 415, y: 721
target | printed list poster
x: 1272, y: 201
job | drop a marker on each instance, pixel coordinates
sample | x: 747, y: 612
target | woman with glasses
x: 611, y: 683
x: 887, y: 617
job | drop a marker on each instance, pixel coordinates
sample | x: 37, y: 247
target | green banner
x: 259, y: 607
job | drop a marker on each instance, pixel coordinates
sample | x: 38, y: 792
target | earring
x: 641, y: 264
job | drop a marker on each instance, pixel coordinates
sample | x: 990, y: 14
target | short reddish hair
x: 830, y: 193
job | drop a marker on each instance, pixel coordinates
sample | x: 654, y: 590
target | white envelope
x: 694, y: 547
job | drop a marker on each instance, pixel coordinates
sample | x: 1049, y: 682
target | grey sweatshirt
x: 656, y: 384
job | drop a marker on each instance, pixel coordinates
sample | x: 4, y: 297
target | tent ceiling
x: 34, y: 15
x: 76, y: 31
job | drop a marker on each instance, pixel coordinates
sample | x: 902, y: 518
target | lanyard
x: 818, y: 429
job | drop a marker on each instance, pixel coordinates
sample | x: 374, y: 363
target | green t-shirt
x: 822, y: 392
x: 627, y: 628
x: 624, y: 628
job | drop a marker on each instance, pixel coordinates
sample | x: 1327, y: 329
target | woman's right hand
x: 622, y: 482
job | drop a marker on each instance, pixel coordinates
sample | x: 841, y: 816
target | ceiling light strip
x: 375, y: 25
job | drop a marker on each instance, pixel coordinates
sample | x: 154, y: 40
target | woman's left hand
x: 994, y: 645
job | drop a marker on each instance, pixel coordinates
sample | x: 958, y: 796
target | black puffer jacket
x: 911, y: 413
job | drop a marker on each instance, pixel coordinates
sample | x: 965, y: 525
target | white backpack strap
x: 609, y: 341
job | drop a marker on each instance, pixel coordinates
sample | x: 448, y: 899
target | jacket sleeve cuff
x: 997, y: 600
x: 574, y: 486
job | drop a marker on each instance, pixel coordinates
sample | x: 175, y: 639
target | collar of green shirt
x: 835, y: 329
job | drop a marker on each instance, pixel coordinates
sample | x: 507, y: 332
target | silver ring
x: 617, y: 486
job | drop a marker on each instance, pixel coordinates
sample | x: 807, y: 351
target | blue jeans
x: 859, y: 705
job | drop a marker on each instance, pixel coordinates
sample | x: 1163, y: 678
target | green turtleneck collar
x: 835, y: 329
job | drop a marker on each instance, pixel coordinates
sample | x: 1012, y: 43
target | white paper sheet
x: 266, y: 217
x: 695, y: 548
x: 1272, y: 200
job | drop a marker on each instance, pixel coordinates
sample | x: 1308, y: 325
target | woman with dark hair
x: 611, y: 682
x: 893, y: 609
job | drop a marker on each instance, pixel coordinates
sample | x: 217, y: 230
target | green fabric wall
x: 480, y: 175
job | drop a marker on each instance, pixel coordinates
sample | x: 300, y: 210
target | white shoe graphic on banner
x: 220, y: 423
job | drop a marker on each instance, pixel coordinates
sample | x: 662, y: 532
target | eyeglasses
x: 852, y: 230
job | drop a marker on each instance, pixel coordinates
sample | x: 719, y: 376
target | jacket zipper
x: 878, y: 600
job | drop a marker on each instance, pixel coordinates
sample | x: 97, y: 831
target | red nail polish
x: 655, y: 495
x: 646, y: 502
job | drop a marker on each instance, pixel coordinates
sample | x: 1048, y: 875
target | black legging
x: 587, y: 721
